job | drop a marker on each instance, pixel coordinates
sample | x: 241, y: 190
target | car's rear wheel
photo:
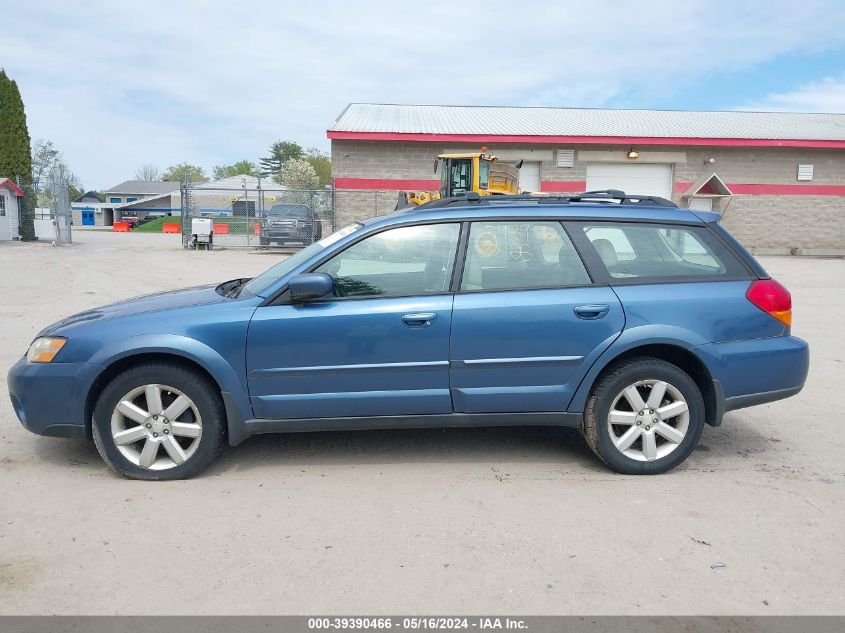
x: 159, y: 421
x: 644, y: 417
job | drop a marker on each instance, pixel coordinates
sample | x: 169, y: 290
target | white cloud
x: 827, y: 95
x: 121, y: 84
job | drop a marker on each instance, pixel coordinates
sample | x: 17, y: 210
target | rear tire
x: 159, y: 421
x: 644, y: 417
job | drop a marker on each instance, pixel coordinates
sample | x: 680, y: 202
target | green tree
x: 74, y: 192
x: 280, y: 153
x: 241, y: 168
x: 180, y: 171
x: 15, y: 159
x: 322, y: 165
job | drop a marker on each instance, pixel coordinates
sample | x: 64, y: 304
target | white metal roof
x: 536, y: 121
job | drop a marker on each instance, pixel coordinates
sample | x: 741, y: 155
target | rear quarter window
x: 645, y: 253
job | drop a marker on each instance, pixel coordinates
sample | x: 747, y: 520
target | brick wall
x: 814, y: 224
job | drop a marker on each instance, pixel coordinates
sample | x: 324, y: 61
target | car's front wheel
x: 644, y: 417
x: 159, y: 421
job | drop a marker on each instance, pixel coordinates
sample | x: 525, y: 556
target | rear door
x: 528, y: 321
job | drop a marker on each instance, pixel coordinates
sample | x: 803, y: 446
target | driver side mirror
x: 310, y: 286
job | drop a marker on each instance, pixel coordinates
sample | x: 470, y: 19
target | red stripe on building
x: 576, y: 186
x: 786, y: 190
x: 767, y: 189
x: 385, y: 183
x: 583, y: 140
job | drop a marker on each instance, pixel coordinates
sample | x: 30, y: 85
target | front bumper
x: 49, y: 398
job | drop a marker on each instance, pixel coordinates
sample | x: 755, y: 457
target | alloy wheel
x: 156, y: 427
x: 648, y: 420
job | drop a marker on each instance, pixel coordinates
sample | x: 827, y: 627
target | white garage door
x: 529, y: 177
x: 652, y: 180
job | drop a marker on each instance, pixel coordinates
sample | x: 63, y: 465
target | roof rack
x: 607, y: 196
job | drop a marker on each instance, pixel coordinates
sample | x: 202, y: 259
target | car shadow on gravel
x: 77, y: 454
x: 726, y: 447
x: 541, y: 445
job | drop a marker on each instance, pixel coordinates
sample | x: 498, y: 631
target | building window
x: 565, y: 158
x: 115, y: 200
x: 131, y: 199
x: 805, y: 172
x: 2, y: 205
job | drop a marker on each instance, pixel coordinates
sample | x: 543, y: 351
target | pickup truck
x: 290, y: 224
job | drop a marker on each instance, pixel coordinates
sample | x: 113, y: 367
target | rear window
x: 646, y: 252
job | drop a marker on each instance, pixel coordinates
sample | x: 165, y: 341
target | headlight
x: 44, y: 349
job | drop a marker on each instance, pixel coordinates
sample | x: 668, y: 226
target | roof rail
x: 607, y: 196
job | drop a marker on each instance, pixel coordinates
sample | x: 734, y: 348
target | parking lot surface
x: 470, y: 521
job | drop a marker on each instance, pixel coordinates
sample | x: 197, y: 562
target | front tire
x: 644, y: 417
x: 159, y: 421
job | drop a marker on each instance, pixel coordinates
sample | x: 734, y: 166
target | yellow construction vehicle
x: 480, y: 172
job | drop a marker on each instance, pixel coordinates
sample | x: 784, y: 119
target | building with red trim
x: 11, y: 199
x: 777, y: 177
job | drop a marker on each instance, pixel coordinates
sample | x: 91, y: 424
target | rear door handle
x: 419, y: 319
x: 595, y: 311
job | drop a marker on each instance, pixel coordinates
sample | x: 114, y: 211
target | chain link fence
x: 60, y: 210
x: 273, y: 217
x: 45, y: 211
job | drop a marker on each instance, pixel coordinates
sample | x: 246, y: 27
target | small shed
x: 11, y: 198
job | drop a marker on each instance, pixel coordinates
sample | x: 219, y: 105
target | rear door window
x: 654, y: 252
x: 521, y: 255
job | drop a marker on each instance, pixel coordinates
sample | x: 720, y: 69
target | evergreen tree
x: 15, y: 159
x: 280, y: 153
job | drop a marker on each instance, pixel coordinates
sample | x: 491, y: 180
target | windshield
x: 289, y: 211
x: 460, y: 176
x: 259, y: 284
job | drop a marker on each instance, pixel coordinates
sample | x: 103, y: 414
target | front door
x: 527, y: 323
x: 380, y: 346
x: 87, y: 218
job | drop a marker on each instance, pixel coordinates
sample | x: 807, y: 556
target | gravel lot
x: 474, y: 521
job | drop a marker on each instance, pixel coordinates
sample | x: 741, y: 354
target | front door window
x: 410, y: 260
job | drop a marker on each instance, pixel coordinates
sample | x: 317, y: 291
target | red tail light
x: 771, y: 297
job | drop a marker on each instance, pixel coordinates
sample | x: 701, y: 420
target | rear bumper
x: 757, y: 371
x: 49, y: 398
x: 753, y: 399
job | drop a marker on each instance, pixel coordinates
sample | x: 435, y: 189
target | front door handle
x: 419, y: 319
x: 594, y: 311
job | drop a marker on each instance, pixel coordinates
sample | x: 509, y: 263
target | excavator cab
x: 459, y: 174
x: 456, y: 177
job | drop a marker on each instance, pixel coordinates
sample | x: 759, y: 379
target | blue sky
x: 210, y: 82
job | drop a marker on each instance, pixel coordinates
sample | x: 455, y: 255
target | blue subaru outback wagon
x: 626, y: 317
